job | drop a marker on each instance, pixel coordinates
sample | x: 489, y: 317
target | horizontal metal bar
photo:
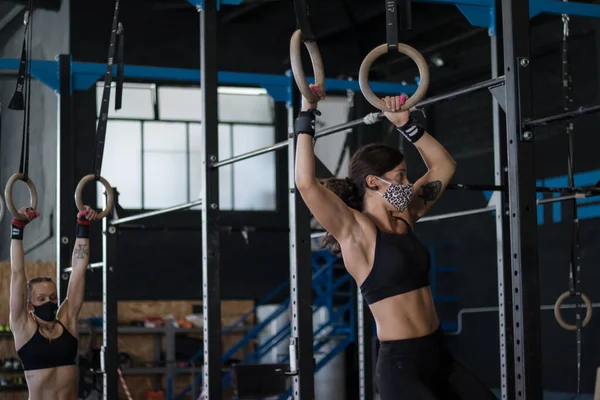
x: 475, y: 3
x: 367, y: 120
x: 156, y: 212
x: 479, y: 310
x: 489, y: 84
x: 539, y: 189
x: 562, y: 198
x: 572, y: 8
x: 432, y: 218
x: 89, y: 267
x: 457, y: 214
x: 561, y: 117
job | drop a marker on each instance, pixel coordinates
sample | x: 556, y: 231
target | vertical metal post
x: 502, y: 239
x: 505, y: 337
x: 65, y: 179
x: 522, y: 202
x: 301, y: 340
x: 110, y: 334
x: 170, y: 356
x: 211, y: 285
x: 366, y: 387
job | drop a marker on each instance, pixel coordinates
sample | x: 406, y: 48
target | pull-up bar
x: 562, y: 117
x: 367, y: 120
x: 474, y: 211
x: 156, y: 212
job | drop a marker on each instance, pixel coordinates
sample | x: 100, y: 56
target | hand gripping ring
x: 560, y: 319
x: 298, y: 71
x: 33, y: 198
x: 109, y: 191
x: 365, y: 67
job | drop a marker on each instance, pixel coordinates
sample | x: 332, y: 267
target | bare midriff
x: 405, y: 316
x: 58, y: 383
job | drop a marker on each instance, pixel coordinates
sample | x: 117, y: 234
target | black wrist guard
x: 412, y: 130
x: 83, y: 231
x: 305, y: 123
x: 17, y: 232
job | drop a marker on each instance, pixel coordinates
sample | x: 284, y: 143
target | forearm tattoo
x: 430, y: 191
x: 81, y: 251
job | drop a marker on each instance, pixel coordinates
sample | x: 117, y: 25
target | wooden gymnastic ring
x: 298, y: 71
x: 33, y: 197
x: 560, y: 319
x: 109, y: 191
x: 2, y: 209
x: 365, y: 67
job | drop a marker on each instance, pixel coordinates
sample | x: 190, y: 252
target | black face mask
x: 47, y: 311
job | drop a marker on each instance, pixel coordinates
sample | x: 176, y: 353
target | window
x: 334, y: 111
x: 152, y: 151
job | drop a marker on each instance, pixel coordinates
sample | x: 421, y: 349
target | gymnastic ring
x: 33, y: 197
x: 298, y: 71
x: 365, y: 67
x: 1, y: 208
x: 109, y: 190
x: 560, y: 319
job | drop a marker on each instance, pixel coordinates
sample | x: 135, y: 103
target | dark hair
x: 33, y: 281
x: 372, y: 159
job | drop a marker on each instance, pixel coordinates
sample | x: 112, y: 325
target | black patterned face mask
x: 398, y: 195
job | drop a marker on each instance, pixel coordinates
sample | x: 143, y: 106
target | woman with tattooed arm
x: 369, y: 218
x: 45, y: 334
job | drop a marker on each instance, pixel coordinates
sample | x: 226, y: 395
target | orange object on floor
x: 184, y: 323
x: 155, y: 394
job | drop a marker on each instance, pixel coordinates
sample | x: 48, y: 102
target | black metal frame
x: 210, y: 202
x: 65, y: 218
x: 502, y: 225
x: 524, y: 267
x: 302, y: 363
x: 110, y: 317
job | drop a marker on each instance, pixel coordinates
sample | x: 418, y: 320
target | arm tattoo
x: 430, y: 191
x: 81, y: 251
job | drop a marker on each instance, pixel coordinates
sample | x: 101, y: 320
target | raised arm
x: 18, y: 280
x: 79, y: 262
x: 329, y: 210
x: 440, y: 164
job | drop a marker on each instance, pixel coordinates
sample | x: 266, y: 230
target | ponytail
x: 351, y: 194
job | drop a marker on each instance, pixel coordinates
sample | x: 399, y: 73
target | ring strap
x: 302, y: 15
x: 21, y: 99
x: 103, y: 121
x: 120, y: 66
x: 398, y: 17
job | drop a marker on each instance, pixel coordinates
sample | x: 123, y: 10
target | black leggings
x: 424, y: 369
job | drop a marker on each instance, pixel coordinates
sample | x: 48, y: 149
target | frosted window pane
x: 184, y: 104
x: 123, y: 153
x: 165, y: 179
x: 165, y: 164
x: 246, y: 108
x: 165, y: 136
x: 179, y: 103
x: 254, y: 179
x: 225, y: 173
x: 138, y: 101
x: 334, y: 111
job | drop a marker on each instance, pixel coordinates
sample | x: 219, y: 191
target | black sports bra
x: 401, y: 264
x: 40, y: 352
